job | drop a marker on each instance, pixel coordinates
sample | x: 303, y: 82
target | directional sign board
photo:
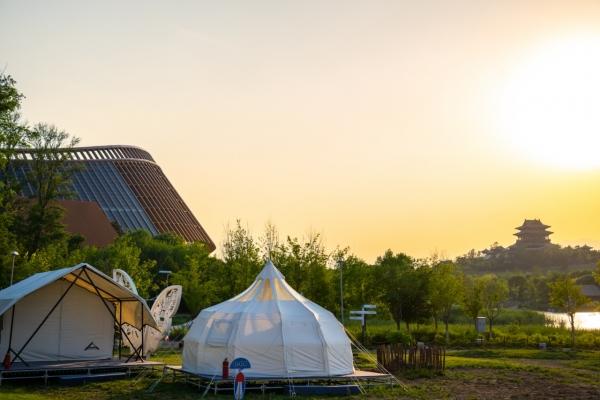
x: 369, y: 306
x: 363, y: 312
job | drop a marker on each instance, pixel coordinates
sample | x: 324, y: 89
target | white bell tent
x: 279, y: 331
x: 67, y: 314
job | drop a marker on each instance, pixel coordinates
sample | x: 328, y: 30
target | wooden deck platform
x: 73, y: 369
x: 348, y: 384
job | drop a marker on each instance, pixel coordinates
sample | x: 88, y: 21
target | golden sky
x: 429, y: 126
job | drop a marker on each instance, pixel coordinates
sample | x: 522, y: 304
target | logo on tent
x: 92, y: 346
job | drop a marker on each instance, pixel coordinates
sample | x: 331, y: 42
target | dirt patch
x: 503, y: 384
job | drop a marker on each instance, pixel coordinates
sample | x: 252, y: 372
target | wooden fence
x: 397, y: 356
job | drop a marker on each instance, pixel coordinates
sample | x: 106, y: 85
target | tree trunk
x: 407, y: 326
x: 491, y: 328
x: 397, y: 324
x: 435, y: 323
x: 447, y: 334
x: 572, y: 321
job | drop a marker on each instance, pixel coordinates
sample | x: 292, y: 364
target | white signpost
x: 361, y: 315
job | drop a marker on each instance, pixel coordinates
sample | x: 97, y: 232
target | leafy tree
x: 566, y: 295
x: 597, y: 273
x: 304, y: 265
x: 200, y: 280
x: 403, y: 287
x: 50, y: 173
x: 124, y: 254
x: 494, y: 293
x: 472, y: 302
x: 446, y: 289
x: 358, y: 281
x: 13, y: 134
x: 521, y: 290
x: 242, y: 256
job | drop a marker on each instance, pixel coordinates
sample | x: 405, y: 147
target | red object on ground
x: 239, y: 377
x: 7, y: 362
x: 225, y: 369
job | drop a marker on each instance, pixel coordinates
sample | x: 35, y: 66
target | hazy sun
x: 550, y: 106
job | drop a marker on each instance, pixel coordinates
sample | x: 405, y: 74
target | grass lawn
x: 470, y: 374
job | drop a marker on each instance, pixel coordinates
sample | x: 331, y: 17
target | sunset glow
x: 549, y: 106
x: 424, y: 127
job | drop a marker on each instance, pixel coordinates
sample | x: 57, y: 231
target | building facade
x: 129, y: 187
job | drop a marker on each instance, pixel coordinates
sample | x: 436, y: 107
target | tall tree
x: 50, y: 173
x: 493, y: 295
x: 566, y: 295
x: 403, y: 287
x: 304, y: 265
x: 242, y: 256
x: 472, y: 302
x: 445, y: 288
x: 13, y: 134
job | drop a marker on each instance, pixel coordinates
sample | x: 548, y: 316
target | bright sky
x: 430, y: 126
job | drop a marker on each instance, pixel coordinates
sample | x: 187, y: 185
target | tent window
x: 250, y: 294
x: 281, y: 291
x: 267, y: 293
x: 219, y: 333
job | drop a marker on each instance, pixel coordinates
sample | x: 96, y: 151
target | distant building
x: 591, y: 291
x: 532, y: 235
x: 128, y: 186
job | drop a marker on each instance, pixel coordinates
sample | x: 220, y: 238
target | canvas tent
x: 67, y: 314
x: 279, y: 331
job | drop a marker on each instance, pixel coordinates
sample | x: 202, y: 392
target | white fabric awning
x: 130, y: 307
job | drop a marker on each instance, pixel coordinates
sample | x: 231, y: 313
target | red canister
x: 225, y: 369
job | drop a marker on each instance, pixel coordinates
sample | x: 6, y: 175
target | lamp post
x: 12, y: 270
x: 340, y: 264
x: 165, y: 272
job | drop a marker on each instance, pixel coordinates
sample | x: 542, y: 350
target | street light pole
x: 12, y: 270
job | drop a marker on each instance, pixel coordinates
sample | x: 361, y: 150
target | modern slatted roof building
x: 128, y: 185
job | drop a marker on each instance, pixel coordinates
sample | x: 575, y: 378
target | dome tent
x: 279, y: 331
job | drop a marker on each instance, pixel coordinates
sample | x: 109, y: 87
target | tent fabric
x: 80, y: 328
x: 132, y: 304
x: 279, y: 331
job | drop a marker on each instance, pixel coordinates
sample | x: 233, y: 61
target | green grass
x: 474, y: 372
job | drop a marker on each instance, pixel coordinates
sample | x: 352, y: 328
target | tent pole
x: 12, y: 322
x: 111, y: 313
x: 120, y: 326
x: 48, y: 316
x: 142, y: 332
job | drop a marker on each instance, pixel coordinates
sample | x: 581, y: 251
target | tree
x: 445, y: 287
x: 566, y: 295
x: 50, y: 173
x: 13, y: 134
x: 494, y: 292
x: 597, y: 273
x: 472, y: 302
x: 304, y: 265
x: 199, y: 277
x: 242, y: 256
x: 403, y: 287
x: 124, y: 254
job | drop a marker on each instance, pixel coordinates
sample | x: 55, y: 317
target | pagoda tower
x: 532, y: 235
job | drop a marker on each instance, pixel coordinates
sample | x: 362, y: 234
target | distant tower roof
x: 533, y: 234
